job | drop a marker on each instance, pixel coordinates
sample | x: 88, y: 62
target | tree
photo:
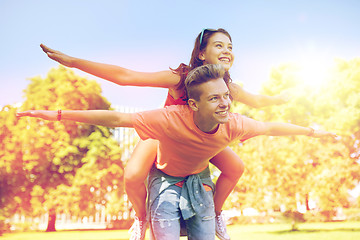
x: 339, y: 105
x: 52, y: 152
x: 283, y: 172
x: 13, y: 180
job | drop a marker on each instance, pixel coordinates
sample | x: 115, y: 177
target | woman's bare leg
x: 136, y: 171
x: 232, y: 168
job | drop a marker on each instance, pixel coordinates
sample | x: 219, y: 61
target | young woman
x: 211, y: 47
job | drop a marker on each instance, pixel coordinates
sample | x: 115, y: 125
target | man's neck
x: 204, y: 125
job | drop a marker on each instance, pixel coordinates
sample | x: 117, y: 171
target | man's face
x: 213, y: 106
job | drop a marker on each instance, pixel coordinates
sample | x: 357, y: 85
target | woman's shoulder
x: 176, y: 97
x: 178, y: 110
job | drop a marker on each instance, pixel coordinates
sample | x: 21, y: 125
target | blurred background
x: 63, y: 175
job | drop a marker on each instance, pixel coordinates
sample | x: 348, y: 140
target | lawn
x: 307, y: 231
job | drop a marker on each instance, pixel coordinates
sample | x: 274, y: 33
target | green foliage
x: 48, y: 165
x: 283, y: 172
x: 13, y: 178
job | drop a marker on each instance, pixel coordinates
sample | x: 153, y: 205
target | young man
x: 179, y: 182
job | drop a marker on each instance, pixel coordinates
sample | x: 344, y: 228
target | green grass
x: 307, y: 231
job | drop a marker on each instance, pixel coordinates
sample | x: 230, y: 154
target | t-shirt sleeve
x: 151, y: 124
x: 248, y: 128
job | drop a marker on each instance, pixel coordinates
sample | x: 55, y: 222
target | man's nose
x: 225, y: 101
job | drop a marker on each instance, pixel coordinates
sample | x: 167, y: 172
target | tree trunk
x: 307, y: 202
x: 51, y: 221
x: 294, y: 225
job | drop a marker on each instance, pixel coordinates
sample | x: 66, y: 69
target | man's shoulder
x: 234, y: 117
x: 166, y: 112
x: 178, y: 109
x: 237, y: 120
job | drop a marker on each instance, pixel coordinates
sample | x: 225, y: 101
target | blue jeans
x: 165, y: 217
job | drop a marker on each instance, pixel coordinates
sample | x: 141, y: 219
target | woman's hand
x: 282, y: 98
x: 58, y: 56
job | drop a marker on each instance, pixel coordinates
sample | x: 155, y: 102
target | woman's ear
x: 202, y: 56
x: 193, y: 104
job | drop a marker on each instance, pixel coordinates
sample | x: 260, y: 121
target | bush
x: 119, y: 224
x: 352, y: 214
x: 4, y: 226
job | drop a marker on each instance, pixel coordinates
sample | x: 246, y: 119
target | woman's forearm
x: 127, y: 77
x: 115, y: 74
x: 254, y: 100
x: 264, y: 100
x: 112, y: 73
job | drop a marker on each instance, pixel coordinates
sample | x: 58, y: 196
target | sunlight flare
x: 314, y: 71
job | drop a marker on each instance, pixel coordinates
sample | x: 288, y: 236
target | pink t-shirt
x: 180, y: 101
x: 183, y: 148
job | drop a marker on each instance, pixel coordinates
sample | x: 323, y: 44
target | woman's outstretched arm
x: 96, y: 117
x: 115, y: 74
x: 255, y: 100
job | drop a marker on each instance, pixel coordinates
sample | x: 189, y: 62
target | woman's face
x: 218, y: 51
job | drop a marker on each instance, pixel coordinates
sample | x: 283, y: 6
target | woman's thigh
x: 141, y: 160
x: 229, y: 163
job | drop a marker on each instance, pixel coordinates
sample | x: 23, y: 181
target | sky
x: 155, y: 35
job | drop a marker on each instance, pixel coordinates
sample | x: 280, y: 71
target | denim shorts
x: 165, y: 218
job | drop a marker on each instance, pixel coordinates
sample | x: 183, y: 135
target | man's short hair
x: 201, y: 75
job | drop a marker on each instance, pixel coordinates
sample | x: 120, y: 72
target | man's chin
x: 223, y: 120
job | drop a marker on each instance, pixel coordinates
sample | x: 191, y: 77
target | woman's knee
x: 231, y: 167
x: 235, y: 171
x: 239, y: 168
x: 134, y: 176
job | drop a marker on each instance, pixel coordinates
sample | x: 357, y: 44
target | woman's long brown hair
x: 182, y: 70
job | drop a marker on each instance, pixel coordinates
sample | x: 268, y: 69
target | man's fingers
x: 28, y: 113
x: 335, y: 136
x: 21, y: 114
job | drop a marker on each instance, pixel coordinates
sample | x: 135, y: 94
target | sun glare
x: 314, y: 71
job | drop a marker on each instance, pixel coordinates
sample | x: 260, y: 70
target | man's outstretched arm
x: 287, y: 129
x: 96, y: 117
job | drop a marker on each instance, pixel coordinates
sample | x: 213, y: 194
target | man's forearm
x: 96, y: 117
x: 99, y: 117
x: 287, y: 129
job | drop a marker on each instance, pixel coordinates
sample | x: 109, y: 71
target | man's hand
x: 47, y: 115
x: 57, y: 56
x: 320, y: 134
